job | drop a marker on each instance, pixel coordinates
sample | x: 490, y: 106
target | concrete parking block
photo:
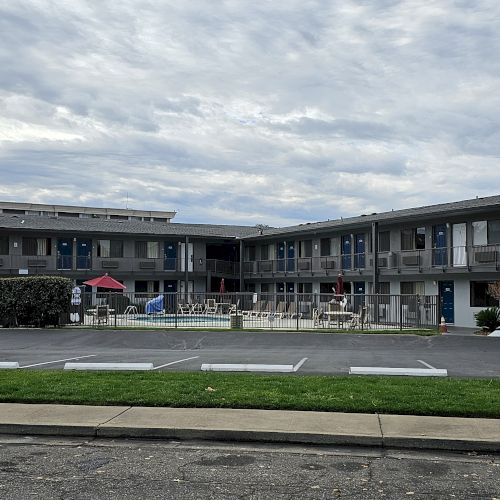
x: 445, y: 433
x: 246, y: 425
x: 56, y: 420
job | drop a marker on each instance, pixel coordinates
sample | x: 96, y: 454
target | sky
x: 250, y: 112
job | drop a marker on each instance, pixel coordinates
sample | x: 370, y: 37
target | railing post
x: 400, y: 312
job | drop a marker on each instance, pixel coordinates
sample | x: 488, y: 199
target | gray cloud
x: 261, y: 112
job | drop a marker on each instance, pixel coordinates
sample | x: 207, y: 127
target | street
x: 72, y: 469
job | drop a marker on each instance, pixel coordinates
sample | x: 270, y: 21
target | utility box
x: 236, y: 321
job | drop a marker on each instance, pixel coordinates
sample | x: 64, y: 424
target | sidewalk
x: 401, y: 431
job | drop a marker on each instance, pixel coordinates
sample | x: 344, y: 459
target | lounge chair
x: 267, y: 310
x: 281, y: 309
x: 259, y: 307
x: 197, y: 308
x: 292, y: 311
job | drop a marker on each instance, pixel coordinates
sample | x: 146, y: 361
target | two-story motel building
x: 451, y: 250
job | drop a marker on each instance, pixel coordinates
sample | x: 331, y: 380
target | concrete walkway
x: 402, y: 431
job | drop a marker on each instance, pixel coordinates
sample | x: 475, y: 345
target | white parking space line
x: 58, y: 361
x: 299, y: 364
x: 9, y: 364
x: 174, y: 362
x: 426, y: 364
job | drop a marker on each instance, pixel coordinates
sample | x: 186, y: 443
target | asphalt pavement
x: 463, y: 355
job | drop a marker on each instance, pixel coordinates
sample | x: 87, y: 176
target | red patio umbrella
x: 222, y: 288
x: 105, y: 281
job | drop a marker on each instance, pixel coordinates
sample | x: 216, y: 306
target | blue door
x: 359, y: 294
x: 65, y: 253
x: 359, y: 251
x: 83, y: 254
x: 447, y: 299
x: 170, y: 256
x: 290, y: 255
x: 439, y: 257
x: 281, y: 256
x: 346, y: 251
x: 170, y: 288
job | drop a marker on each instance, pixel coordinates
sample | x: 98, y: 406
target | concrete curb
x: 317, y: 428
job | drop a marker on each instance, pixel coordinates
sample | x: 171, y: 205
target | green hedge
x: 34, y: 300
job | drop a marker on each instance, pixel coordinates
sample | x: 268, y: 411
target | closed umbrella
x: 340, y: 286
x: 222, y: 288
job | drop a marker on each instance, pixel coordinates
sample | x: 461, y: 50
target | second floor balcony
x: 429, y: 260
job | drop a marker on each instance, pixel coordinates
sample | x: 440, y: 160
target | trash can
x: 236, y: 321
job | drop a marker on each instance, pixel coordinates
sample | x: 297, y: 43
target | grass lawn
x: 399, y: 395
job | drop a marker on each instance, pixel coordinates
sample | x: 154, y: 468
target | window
x: 264, y: 252
x: 118, y: 217
x: 479, y: 296
x: 305, y: 287
x: 4, y: 245
x: 110, y: 248
x: 36, y: 246
x: 325, y: 247
x: 384, y: 241
x: 147, y: 249
x: 142, y: 286
x: 486, y: 232
x: 480, y: 233
x: 250, y: 251
x: 413, y: 239
x: 493, y: 232
x: 412, y: 288
x: 305, y: 248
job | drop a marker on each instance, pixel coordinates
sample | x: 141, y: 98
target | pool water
x: 181, y: 319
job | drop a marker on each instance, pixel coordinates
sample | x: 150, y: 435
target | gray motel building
x: 450, y: 250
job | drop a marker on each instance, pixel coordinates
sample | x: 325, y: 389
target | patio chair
x: 318, y: 317
x: 197, y: 308
x: 359, y: 320
x: 183, y: 308
x: 210, y: 306
x: 234, y: 307
x: 101, y: 314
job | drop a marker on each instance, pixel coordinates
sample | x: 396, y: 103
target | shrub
x: 489, y: 318
x: 34, y: 300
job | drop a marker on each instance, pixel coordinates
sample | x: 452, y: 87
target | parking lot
x: 306, y: 353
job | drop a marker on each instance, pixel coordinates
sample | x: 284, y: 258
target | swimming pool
x: 172, y: 320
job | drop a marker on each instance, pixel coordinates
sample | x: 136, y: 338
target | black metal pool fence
x: 253, y: 310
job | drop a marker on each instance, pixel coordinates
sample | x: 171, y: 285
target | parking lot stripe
x: 425, y: 364
x: 58, y: 361
x: 299, y: 364
x: 174, y: 362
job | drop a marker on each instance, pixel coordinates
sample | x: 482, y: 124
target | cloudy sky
x: 250, y: 111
